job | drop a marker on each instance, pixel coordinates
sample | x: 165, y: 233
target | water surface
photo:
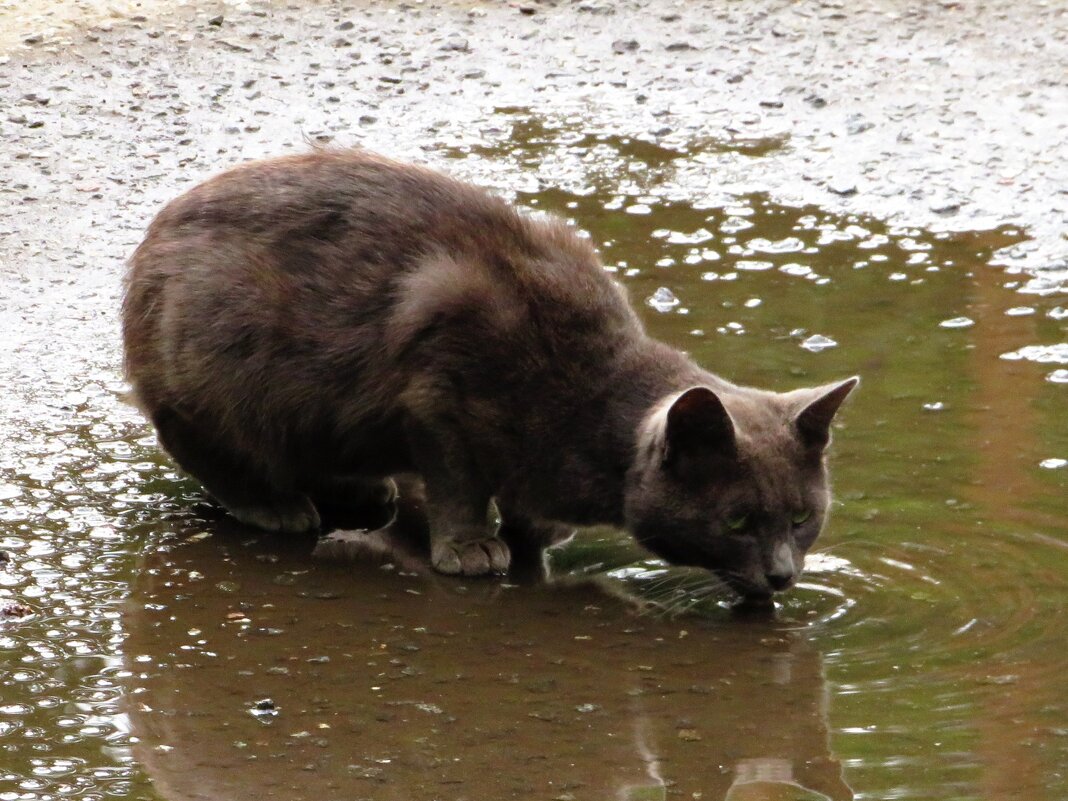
x: 171, y: 654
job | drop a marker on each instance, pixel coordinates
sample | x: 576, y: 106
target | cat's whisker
x: 709, y: 588
x: 663, y: 598
x: 658, y: 580
x: 671, y: 580
x: 676, y: 594
x: 671, y: 610
x: 660, y: 584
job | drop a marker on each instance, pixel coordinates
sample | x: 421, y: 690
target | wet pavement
x: 792, y: 192
x: 950, y: 115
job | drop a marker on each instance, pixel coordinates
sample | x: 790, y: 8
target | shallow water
x: 922, y: 657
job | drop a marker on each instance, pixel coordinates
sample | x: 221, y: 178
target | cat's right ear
x: 698, y: 428
x: 814, y: 420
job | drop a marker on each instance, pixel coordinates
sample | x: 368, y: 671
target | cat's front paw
x: 481, y: 557
x: 290, y: 515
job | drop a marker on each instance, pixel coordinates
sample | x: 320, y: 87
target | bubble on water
x: 1042, y: 354
x: 733, y: 225
x: 696, y: 238
x: 639, y: 208
x: 1058, y: 377
x: 818, y: 342
x: 1020, y: 311
x: 1058, y: 313
x: 935, y: 406
x: 957, y: 322
x: 754, y: 266
x: 790, y: 244
x: 1053, y: 464
x: 663, y: 300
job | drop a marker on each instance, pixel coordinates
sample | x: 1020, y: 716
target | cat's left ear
x: 698, y: 430
x: 814, y: 420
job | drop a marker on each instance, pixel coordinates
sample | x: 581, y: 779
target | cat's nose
x: 781, y: 571
x: 779, y: 581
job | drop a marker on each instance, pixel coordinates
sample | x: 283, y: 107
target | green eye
x: 737, y: 523
x: 800, y: 517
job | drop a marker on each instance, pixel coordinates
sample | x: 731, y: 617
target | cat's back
x: 349, y: 219
x: 345, y: 253
x: 369, y: 207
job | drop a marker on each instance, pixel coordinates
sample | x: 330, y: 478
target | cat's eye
x: 737, y: 523
x: 800, y: 518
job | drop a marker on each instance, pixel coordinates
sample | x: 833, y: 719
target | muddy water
x: 166, y: 653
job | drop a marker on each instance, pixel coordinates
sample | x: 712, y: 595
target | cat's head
x: 735, y: 481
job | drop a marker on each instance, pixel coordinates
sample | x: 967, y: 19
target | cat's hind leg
x: 354, y: 501
x: 247, y: 494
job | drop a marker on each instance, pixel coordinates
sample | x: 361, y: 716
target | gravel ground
x: 945, y: 115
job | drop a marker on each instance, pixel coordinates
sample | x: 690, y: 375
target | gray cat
x: 299, y: 330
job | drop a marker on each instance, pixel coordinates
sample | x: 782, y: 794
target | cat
x: 300, y: 329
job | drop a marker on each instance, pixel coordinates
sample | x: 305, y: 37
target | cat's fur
x: 302, y: 328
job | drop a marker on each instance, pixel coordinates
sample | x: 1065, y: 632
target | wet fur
x: 327, y: 320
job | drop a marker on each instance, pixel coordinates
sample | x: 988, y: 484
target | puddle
x: 399, y: 686
x: 159, y: 652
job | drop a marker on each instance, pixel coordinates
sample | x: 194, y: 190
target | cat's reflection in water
x: 789, y: 770
x: 397, y: 685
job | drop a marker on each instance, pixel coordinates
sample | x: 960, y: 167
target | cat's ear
x: 814, y: 420
x: 698, y: 426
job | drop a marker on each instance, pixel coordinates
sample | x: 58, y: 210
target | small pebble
x: 843, y: 188
x: 456, y: 45
x: 945, y: 208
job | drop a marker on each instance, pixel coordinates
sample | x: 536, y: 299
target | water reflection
x: 391, y: 683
